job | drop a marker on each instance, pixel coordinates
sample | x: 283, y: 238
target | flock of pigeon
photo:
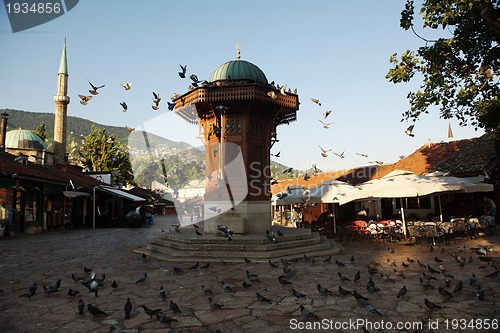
x: 436, y: 283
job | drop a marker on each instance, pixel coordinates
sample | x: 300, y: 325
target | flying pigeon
x: 182, y: 73
x: 325, y: 125
x: 84, y: 99
x: 124, y: 106
x: 127, y: 86
x: 93, y: 91
x: 156, y: 100
x: 409, y: 131
x: 341, y: 155
x: 362, y: 154
x: 324, y: 152
x: 315, y: 100
x: 272, y: 94
x: 326, y: 114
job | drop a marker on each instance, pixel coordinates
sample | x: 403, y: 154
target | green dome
x: 238, y: 70
x: 23, y: 139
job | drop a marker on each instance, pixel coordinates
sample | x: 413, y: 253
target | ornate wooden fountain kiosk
x: 238, y: 112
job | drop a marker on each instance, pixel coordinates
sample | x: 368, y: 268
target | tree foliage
x: 460, y: 71
x: 102, y: 153
x: 41, y: 131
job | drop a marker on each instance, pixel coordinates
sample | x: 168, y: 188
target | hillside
x: 180, y: 161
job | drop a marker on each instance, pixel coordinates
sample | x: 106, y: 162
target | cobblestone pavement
x: 47, y: 257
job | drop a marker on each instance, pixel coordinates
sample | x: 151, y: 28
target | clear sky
x: 336, y: 51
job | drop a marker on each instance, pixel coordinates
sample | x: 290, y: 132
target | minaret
x: 62, y: 101
x: 450, y: 133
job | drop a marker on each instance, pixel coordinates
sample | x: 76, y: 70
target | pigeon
x: 174, y: 307
x: 142, y: 279
x: 458, y: 287
x: 246, y: 285
x: 362, y: 154
x: 171, y: 106
x: 195, y: 266
x: 247, y: 260
x: 162, y: 293
x: 326, y: 114
x: 492, y: 275
x: 114, y: 285
x: 214, y: 305
x: 150, y: 312
x: 409, y: 131
x: 84, y: 99
x: 93, y: 91
x: 341, y: 155
x: 31, y: 291
x: 49, y: 290
x: 76, y: 278
x: 124, y: 106
x: 343, y: 278
x: 205, y: 266
x: 206, y: 290
x: 156, y: 100
x: 357, y: 276
x: 472, y: 280
x: 325, y: 125
x: 127, y: 308
x: 431, y: 305
x: 358, y: 296
x: 438, y: 260
x: 340, y: 264
x: 177, y: 270
x: 164, y: 319
x: 272, y: 264
x: 263, y: 299
x: 276, y: 155
x: 279, y: 233
x: 80, y: 306
x: 405, y: 264
x: 344, y: 292
x: 195, y: 79
x: 272, y: 94
x: 226, y: 287
x: 95, y: 311
x: 252, y: 277
x: 372, y: 288
x: 425, y: 284
x: 432, y: 270
x: 370, y: 308
x: 323, y: 291
x: 126, y: 86
x: 445, y: 293
x: 324, y: 152
x: 87, y: 270
x: 308, y: 314
x: 182, y: 73
x: 283, y: 280
x: 298, y: 294
x: 402, y: 292
x: 328, y: 259
x: 479, y: 293
x: 316, y: 101
x: 72, y: 292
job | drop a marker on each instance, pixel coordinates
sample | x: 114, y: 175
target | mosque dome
x: 23, y: 139
x: 238, y: 70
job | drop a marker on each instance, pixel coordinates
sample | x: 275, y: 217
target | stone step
x: 232, y: 252
x: 239, y: 242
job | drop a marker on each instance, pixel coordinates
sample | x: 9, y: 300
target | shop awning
x: 120, y: 193
x: 75, y: 194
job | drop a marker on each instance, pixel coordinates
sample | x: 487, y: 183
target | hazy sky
x: 336, y: 51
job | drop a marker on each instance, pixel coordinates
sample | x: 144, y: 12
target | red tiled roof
x: 443, y: 156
